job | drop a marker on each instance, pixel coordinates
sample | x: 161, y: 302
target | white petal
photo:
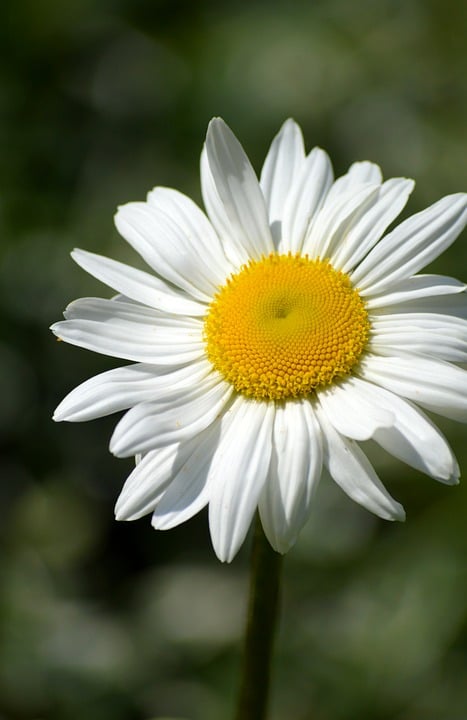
x: 238, y: 474
x: 352, y: 471
x: 353, y: 410
x: 179, y: 417
x: 105, y: 310
x: 146, y: 484
x: 189, y: 490
x: 412, y: 245
x: 238, y: 189
x: 418, y: 320
x: 449, y: 304
x: 169, y: 248
x: 195, y: 225
x: 130, y: 331
x: 412, y: 437
x: 138, y: 285
x: 294, y: 473
x: 121, y: 388
x: 305, y: 198
x: 415, y: 440
x: 436, y: 335
x: 421, y: 342
x: 281, y: 167
x: 433, y: 384
x: 357, y: 174
x: 414, y: 288
x: 233, y: 247
x: 333, y: 221
x: 365, y: 233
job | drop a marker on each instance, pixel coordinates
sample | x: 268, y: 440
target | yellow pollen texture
x: 285, y: 325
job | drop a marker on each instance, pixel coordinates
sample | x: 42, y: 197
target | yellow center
x: 285, y: 325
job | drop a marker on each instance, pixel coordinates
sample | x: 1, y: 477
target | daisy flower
x: 274, y: 332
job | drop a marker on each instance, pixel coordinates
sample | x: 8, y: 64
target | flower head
x: 279, y: 328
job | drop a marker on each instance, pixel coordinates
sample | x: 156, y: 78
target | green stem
x: 262, y: 617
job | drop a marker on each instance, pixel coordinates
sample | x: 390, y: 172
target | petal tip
x: 55, y: 329
x: 117, y: 447
x: 224, y: 557
x: 399, y: 513
x: 454, y: 479
x: 216, y: 123
x: 290, y: 124
x: 120, y: 514
x: 123, y: 510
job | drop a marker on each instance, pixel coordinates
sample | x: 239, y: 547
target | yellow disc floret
x: 285, y: 325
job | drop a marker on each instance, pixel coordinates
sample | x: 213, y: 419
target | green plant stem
x: 261, y: 623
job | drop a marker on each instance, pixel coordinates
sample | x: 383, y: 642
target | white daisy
x: 280, y: 328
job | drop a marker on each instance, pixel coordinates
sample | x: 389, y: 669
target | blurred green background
x: 99, y: 101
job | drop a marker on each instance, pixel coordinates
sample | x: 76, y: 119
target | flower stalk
x: 262, y: 619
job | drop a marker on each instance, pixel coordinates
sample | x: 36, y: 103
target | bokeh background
x: 99, y: 101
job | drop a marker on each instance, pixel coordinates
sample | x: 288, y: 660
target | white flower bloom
x: 279, y: 330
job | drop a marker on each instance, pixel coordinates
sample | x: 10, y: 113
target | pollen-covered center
x: 285, y: 325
